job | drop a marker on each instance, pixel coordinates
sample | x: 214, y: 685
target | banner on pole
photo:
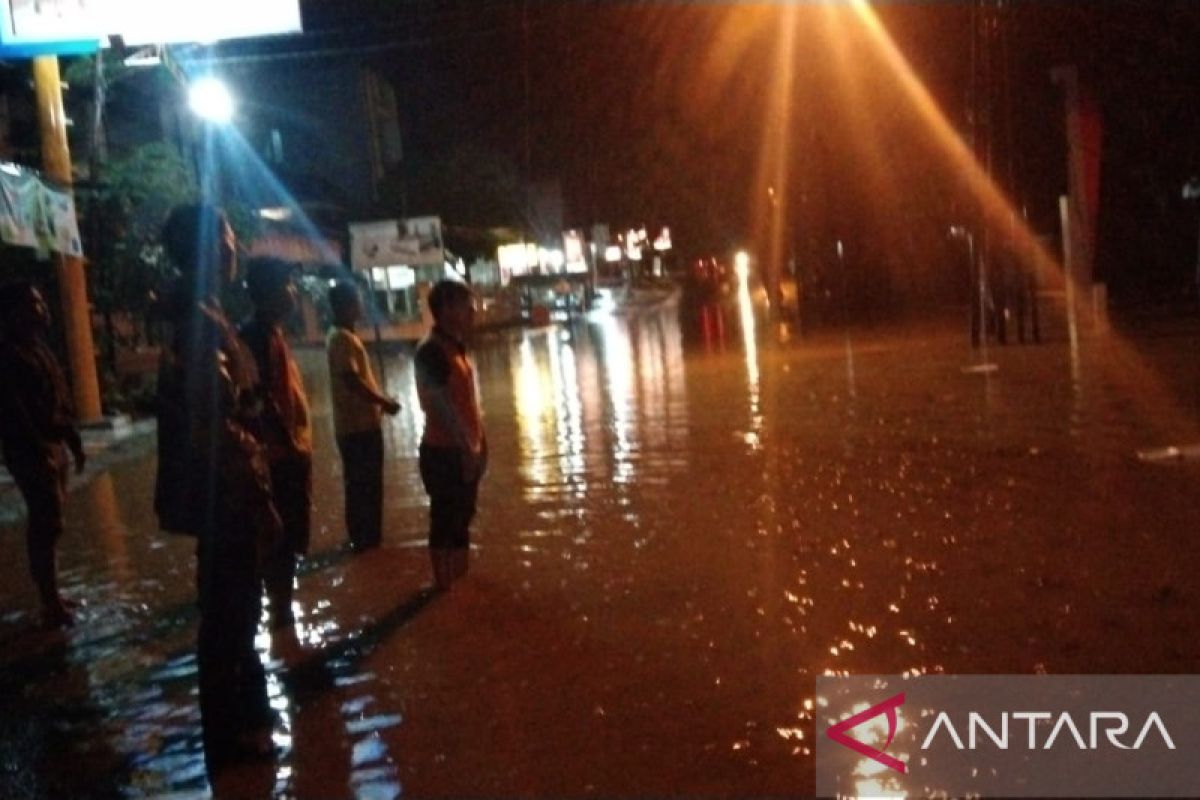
x: 33, y: 214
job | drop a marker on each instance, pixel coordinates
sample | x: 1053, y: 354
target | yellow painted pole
x: 72, y: 283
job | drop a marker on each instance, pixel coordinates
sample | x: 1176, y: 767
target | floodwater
x: 677, y: 535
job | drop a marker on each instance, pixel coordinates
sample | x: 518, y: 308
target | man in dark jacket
x: 213, y: 482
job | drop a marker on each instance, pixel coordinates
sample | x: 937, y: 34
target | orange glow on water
x: 836, y: 102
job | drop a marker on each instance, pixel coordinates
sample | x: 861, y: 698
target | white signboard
x: 168, y: 21
x: 45, y: 26
x: 412, y: 242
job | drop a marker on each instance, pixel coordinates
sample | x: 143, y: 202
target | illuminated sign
x: 551, y: 259
x: 512, y: 258
x: 633, y: 244
x: 573, y: 251
x: 45, y: 27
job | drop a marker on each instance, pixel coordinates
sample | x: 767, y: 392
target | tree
x: 127, y: 262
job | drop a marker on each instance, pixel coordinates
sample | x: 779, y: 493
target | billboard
x: 48, y: 27
x: 412, y: 242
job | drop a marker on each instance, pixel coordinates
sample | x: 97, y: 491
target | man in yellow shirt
x: 358, y: 406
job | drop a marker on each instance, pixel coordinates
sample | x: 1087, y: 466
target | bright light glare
x: 276, y: 214
x: 741, y: 266
x: 604, y: 301
x: 998, y: 210
x: 210, y: 100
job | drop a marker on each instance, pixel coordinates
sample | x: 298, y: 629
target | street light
x: 210, y: 99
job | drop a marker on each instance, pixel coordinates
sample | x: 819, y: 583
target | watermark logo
x: 838, y: 732
x: 1008, y: 735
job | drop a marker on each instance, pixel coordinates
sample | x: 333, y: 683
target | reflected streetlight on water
x: 741, y: 267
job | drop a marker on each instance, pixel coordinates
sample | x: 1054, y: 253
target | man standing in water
x: 37, y: 427
x: 282, y: 426
x: 358, y: 406
x: 453, y: 453
x: 213, y: 483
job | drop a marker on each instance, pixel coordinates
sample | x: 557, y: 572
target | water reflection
x: 533, y: 396
x: 618, y: 364
x: 569, y: 417
x: 753, y: 435
x: 671, y: 545
x: 614, y: 386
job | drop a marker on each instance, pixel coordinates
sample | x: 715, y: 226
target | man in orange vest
x: 282, y: 426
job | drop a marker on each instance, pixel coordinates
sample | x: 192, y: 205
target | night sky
x: 655, y: 113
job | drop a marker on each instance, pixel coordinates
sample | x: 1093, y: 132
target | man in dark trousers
x: 453, y: 452
x: 358, y: 408
x: 213, y: 483
x: 37, y: 426
x: 282, y: 426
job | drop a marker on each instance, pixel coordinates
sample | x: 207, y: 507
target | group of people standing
x: 235, y: 451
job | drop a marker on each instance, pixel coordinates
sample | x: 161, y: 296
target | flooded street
x: 675, y: 538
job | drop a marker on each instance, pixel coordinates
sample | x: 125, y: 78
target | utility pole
x: 72, y: 282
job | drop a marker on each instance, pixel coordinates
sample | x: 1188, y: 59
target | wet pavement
x: 675, y: 538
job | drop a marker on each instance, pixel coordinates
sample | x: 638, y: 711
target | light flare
x: 998, y: 211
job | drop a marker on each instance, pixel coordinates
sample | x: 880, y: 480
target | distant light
x: 612, y: 253
x: 573, y: 245
x: 210, y: 100
x: 551, y: 258
x: 633, y: 248
x: 513, y: 258
x: 401, y: 277
x: 662, y: 242
x: 604, y: 301
x: 460, y: 267
x: 332, y: 283
x: 144, y: 57
x: 277, y: 214
x: 741, y: 265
